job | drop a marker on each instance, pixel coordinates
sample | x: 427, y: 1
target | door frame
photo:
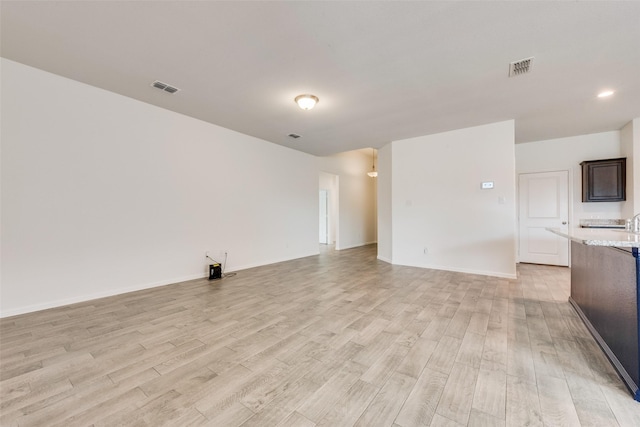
x: 333, y: 204
x: 569, y: 201
x: 327, y: 219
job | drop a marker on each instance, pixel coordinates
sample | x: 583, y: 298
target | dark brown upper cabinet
x: 604, y: 180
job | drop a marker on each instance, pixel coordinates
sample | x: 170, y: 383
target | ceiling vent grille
x: 294, y: 135
x: 520, y: 67
x: 165, y: 87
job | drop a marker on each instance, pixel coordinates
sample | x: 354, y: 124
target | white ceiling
x: 383, y: 70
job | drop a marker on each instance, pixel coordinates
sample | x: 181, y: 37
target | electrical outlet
x: 425, y: 250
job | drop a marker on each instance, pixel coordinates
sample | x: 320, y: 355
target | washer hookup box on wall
x: 215, y: 271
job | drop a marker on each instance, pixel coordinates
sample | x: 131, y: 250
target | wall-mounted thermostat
x: 487, y: 185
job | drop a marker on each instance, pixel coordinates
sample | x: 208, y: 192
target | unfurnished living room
x: 319, y: 213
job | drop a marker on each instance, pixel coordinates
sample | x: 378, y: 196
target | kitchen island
x: 604, y: 292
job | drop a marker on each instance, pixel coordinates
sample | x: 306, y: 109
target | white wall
x: 102, y: 194
x: 437, y: 202
x: 385, y: 229
x: 566, y: 154
x: 630, y: 148
x: 357, y: 199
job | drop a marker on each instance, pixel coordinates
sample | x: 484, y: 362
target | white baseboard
x: 269, y: 262
x: 464, y: 270
x: 97, y: 295
x: 357, y: 245
x: 119, y: 291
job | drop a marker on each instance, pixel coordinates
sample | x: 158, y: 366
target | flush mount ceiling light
x: 373, y: 172
x: 306, y: 102
x: 605, y: 93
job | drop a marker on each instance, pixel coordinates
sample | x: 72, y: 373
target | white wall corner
x: 440, y: 215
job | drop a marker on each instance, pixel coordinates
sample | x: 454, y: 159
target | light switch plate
x: 487, y: 185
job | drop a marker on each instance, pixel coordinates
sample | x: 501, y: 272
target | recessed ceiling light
x: 306, y: 102
x: 605, y: 93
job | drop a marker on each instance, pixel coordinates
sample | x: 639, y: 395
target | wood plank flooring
x: 339, y: 339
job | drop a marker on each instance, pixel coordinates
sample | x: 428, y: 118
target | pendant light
x: 373, y: 172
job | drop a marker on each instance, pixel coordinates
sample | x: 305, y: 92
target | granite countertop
x: 602, y: 223
x: 600, y: 237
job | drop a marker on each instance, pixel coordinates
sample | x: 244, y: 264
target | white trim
x: 272, y: 261
x: 97, y: 295
x: 384, y: 259
x: 357, y: 245
x: 120, y: 291
x: 463, y: 270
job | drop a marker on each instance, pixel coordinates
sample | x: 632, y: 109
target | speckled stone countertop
x: 602, y: 223
x: 600, y: 237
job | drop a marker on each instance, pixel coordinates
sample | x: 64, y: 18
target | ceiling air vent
x: 522, y: 66
x: 294, y: 135
x: 165, y: 87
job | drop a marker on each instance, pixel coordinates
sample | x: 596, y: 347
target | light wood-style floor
x: 339, y: 339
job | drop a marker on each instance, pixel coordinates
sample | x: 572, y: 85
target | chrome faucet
x: 635, y: 224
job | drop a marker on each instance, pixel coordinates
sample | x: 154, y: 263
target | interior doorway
x: 543, y: 202
x: 323, y: 215
x: 328, y: 209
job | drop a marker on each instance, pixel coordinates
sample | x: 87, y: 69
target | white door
x: 324, y: 217
x: 544, y: 202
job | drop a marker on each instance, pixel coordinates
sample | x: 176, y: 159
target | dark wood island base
x: 604, y: 292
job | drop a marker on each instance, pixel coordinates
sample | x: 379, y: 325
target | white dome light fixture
x: 605, y: 93
x: 306, y: 102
